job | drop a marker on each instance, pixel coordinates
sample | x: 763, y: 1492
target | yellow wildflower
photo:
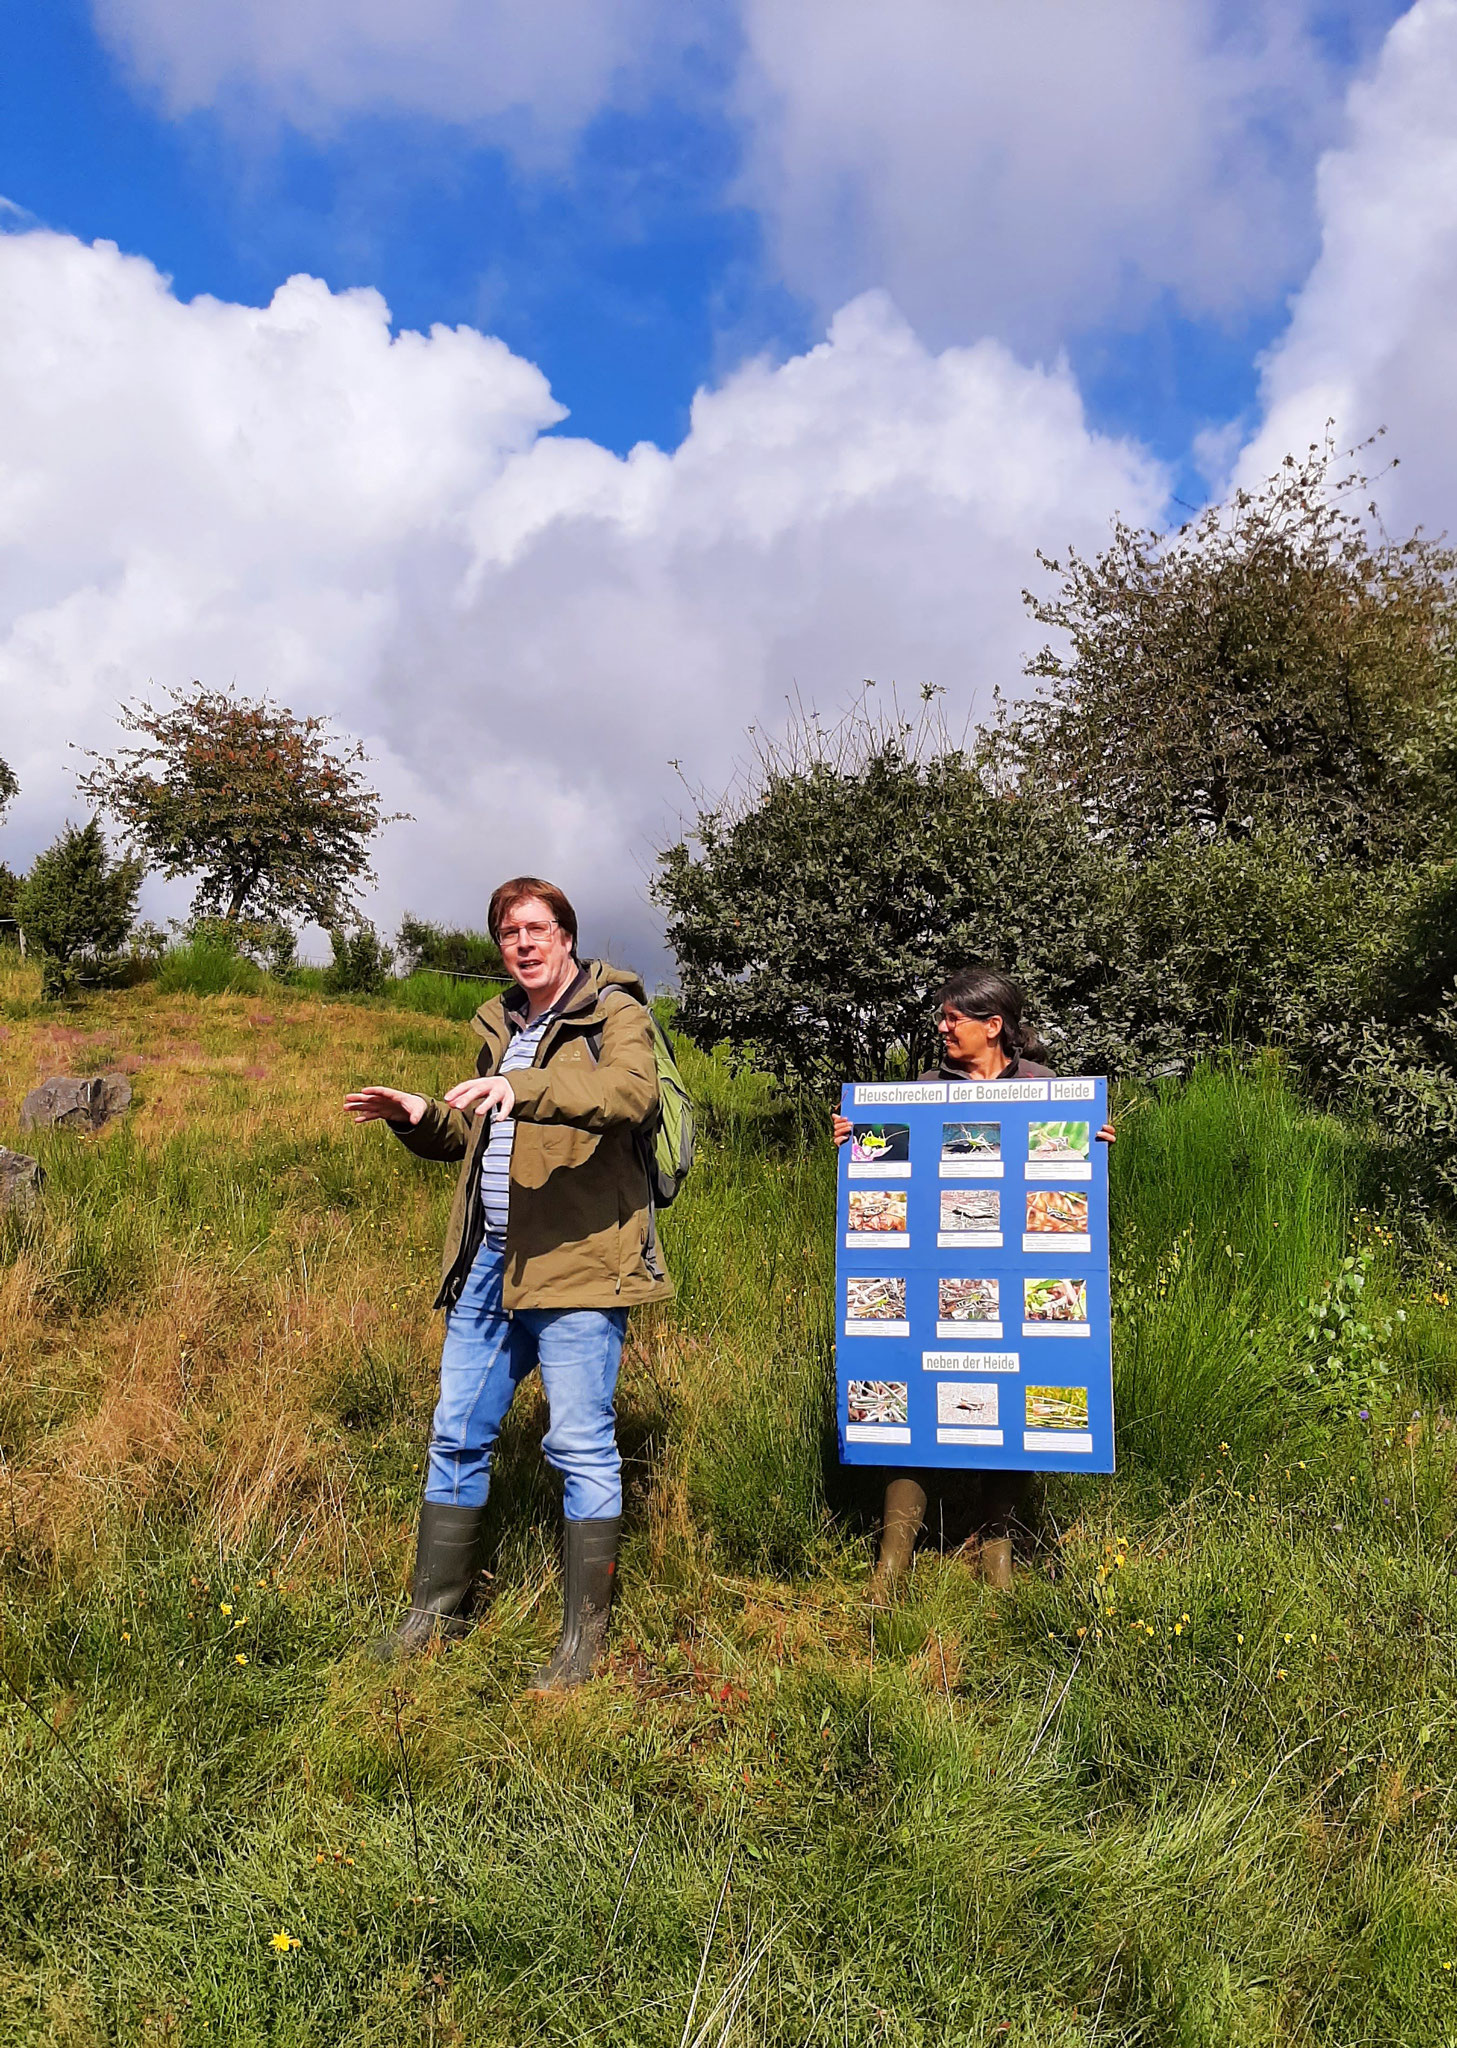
x: 284, y: 1942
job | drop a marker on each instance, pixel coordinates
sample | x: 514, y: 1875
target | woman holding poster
x: 985, y: 1036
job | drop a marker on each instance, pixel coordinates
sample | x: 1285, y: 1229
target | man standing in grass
x: 550, y: 1242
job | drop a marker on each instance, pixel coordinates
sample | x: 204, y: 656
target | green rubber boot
x: 590, y: 1579
x: 449, y: 1552
x: 905, y: 1511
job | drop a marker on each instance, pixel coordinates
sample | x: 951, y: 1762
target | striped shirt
x: 496, y: 1164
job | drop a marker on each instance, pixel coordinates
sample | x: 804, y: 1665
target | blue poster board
x: 971, y: 1276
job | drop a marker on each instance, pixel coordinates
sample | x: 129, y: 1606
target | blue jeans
x: 487, y: 1355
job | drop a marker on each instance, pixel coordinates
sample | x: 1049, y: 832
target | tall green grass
x: 1192, y: 1782
x: 202, y: 967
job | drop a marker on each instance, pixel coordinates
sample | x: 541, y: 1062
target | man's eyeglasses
x: 524, y: 934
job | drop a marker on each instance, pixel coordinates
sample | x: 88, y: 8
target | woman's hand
x: 1107, y: 1135
x: 840, y: 1127
x: 490, y: 1097
x: 393, y: 1104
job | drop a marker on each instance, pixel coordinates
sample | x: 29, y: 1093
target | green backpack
x: 666, y: 1143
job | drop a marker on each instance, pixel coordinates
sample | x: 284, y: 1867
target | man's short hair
x: 506, y: 898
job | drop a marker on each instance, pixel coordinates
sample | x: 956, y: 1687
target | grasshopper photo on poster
x: 877, y: 1216
x: 1054, y: 1308
x: 876, y: 1307
x: 968, y: 1308
x: 1059, y: 1151
x: 969, y: 1403
x: 971, y: 1152
x: 880, y: 1152
x: 970, y: 1218
x: 1057, y: 1220
x: 1057, y: 1407
x: 876, y: 1411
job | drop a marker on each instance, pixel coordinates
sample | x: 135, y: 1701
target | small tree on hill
x: 76, y: 906
x: 261, y: 804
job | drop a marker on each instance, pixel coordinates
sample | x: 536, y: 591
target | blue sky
x: 632, y: 274
x: 947, y: 284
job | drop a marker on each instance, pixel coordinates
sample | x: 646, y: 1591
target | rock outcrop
x: 21, y: 1180
x: 75, y: 1105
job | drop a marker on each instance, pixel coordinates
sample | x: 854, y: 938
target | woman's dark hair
x: 981, y: 990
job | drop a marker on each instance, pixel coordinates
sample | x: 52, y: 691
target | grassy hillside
x: 1191, y: 1782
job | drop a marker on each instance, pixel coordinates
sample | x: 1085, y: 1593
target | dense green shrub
x: 76, y: 907
x: 361, y: 963
x: 420, y: 944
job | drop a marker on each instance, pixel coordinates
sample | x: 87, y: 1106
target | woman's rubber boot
x: 905, y: 1510
x: 449, y: 1551
x: 996, y: 1562
x: 590, y: 1579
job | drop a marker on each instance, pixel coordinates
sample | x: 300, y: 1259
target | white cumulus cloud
x: 524, y: 627
x: 1372, y: 340
x: 533, y: 72
x: 1034, y: 170
x: 1029, y: 171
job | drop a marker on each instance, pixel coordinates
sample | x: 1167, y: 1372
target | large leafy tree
x: 813, y: 917
x: 1277, y: 664
x: 267, y: 808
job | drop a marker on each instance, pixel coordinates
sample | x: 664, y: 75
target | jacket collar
x: 1009, y: 1072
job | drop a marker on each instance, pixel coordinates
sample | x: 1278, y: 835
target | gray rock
x: 21, y: 1180
x: 75, y: 1105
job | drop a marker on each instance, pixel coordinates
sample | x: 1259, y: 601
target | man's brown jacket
x: 580, y: 1231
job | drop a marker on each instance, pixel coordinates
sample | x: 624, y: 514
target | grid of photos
x: 970, y: 1218
x: 971, y: 1152
x: 991, y: 1326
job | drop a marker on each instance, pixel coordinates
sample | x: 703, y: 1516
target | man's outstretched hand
x: 393, y: 1104
x: 490, y: 1097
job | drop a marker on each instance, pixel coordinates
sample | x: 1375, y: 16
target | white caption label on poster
x: 1051, y: 1329
x: 1074, y: 1441
x: 971, y: 1361
x: 1055, y: 1241
x: 896, y: 1169
x: 857, y: 1328
x: 870, y: 1093
x: 969, y: 1240
x: 1066, y: 1169
x: 1073, y: 1090
x: 997, y: 1091
x: 875, y: 1433
x: 970, y: 1169
x: 991, y: 1438
x: 969, y: 1333
x: 873, y: 1240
